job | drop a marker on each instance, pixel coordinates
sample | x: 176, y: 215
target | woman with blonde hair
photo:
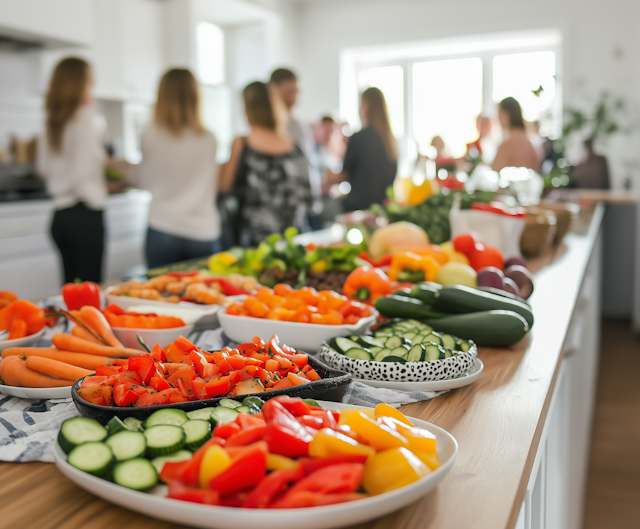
x: 371, y: 161
x: 267, y: 171
x: 179, y: 168
x: 71, y: 159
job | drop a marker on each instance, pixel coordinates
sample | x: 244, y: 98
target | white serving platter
x: 156, y: 505
x: 36, y: 393
x: 431, y: 385
x: 22, y: 342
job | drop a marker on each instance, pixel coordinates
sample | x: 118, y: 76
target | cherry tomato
x: 465, y: 243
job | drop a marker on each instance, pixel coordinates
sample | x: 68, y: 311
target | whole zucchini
x: 492, y: 328
x: 425, y: 292
x: 462, y: 299
x: 404, y: 307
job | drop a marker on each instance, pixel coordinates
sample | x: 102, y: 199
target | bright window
x: 529, y: 77
x: 390, y: 80
x: 447, y: 99
x: 210, y: 53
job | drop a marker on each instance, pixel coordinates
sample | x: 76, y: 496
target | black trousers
x: 78, y: 232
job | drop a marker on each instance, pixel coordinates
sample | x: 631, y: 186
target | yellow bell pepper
x: 409, y: 267
x: 319, y: 266
x: 377, y: 435
x: 454, y: 256
x: 328, y: 442
x: 344, y: 413
x: 214, y: 462
x: 384, y: 410
x: 418, y: 439
x: 392, y: 469
x: 278, y: 462
x: 432, y: 461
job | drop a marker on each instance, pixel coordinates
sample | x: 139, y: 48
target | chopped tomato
x: 218, y: 387
x: 159, y: 383
x: 198, y: 387
x: 155, y: 399
x: 144, y: 365
x: 89, y: 381
x: 106, y: 371
x: 297, y: 380
x: 101, y: 395
x: 158, y: 354
x: 123, y: 396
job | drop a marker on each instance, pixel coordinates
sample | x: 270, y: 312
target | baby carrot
x: 81, y: 332
x: 55, y: 368
x: 96, y: 320
x: 83, y: 360
x: 67, y: 342
x: 32, y: 379
x: 9, y: 366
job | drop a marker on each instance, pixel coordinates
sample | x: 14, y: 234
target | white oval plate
x: 185, y: 513
x: 22, y: 342
x: 302, y: 336
x: 431, y: 385
x: 36, y: 393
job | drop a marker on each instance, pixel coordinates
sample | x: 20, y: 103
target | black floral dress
x: 273, y: 192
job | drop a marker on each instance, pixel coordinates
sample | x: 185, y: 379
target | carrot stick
x: 83, y: 360
x: 66, y: 342
x: 96, y: 320
x: 32, y: 379
x: 8, y: 369
x: 74, y: 316
x: 81, y: 332
x: 54, y: 368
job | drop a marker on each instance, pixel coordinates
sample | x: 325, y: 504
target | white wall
x: 601, y: 44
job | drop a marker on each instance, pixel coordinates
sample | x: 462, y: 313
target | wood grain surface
x: 497, y: 421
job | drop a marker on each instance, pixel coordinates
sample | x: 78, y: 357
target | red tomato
x: 464, y: 243
x: 487, y: 256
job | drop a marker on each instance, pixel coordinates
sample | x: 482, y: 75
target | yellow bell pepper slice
x: 328, y: 442
x: 392, y: 469
x: 319, y: 266
x: 344, y: 413
x: 431, y: 460
x: 278, y: 462
x: 384, y: 410
x: 214, y: 462
x: 418, y: 439
x: 377, y: 435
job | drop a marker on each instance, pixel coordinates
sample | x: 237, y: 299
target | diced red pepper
x: 284, y: 435
x: 247, y: 436
x: 179, y: 491
x: 226, y: 430
x: 310, y: 465
x: 269, y: 488
x: 245, y: 472
x: 293, y: 405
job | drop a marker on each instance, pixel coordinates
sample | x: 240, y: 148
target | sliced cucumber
x: 375, y: 350
x: 203, y: 414
x: 180, y: 455
x: 230, y: 403
x: 80, y: 430
x: 92, y: 457
x: 448, y: 341
x: 127, y: 445
x: 464, y: 346
x: 133, y: 424
x: 393, y: 342
x: 358, y: 354
x: 115, y: 425
x: 400, y: 352
x: 434, y: 337
x: 344, y: 344
x: 197, y: 432
x: 136, y: 474
x: 312, y: 402
x: 164, y: 439
x: 381, y: 355
x: 253, y: 401
x: 370, y: 342
x: 222, y: 415
x: 431, y: 352
x: 416, y: 354
x: 410, y: 336
x: 392, y: 358
x: 448, y: 353
x: 243, y: 409
x: 170, y: 416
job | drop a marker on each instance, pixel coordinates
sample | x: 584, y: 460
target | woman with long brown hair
x: 179, y: 168
x: 516, y: 149
x: 71, y: 159
x: 267, y: 171
x: 371, y: 161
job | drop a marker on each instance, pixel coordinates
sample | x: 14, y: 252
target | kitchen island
x: 523, y: 427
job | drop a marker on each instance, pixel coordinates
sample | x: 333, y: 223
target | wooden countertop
x: 608, y: 196
x: 497, y: 421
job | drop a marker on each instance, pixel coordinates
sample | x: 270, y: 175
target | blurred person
x: 371, y: 161
x: 71, y: 158
x: 285, y: 83
x: 179, y: 169
x: 267, y: 171
x: 483, y: 126
x: 443, y: 159
x: 516, y: 149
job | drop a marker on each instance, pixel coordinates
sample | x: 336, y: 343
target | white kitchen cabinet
x: 29, y: 262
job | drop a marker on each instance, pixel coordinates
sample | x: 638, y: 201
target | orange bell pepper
x: 32, y: 316
x: 413, y: 268
x: 367, y: 284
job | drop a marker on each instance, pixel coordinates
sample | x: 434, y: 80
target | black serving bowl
x: 332, y: 386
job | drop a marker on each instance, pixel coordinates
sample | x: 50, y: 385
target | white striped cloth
x: 29, y: 428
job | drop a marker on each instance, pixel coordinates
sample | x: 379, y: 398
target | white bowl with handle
x: 302, y: 336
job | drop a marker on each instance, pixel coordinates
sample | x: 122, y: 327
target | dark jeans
x: 78, y: 232
x: 164, y: 249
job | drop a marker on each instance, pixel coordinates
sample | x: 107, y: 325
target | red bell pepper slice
x: 179, y: 491
x: 310, y: 465
x: 334, y: 479
x: 310, y: 420
x: 249, y: 421
x: 226, y: 430
x: 245, y: 472
x: 328, y: 418
x: 247, y: 436
x: 189, y: 472
x: 297, y: 407
x: 228, y: 289
x: 144, y: 366
x: 306, y: 498
x: 262, y: 496
x: 284, y: 435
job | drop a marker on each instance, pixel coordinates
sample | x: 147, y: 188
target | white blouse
x: 182, y: 174
x: 76, y: 173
